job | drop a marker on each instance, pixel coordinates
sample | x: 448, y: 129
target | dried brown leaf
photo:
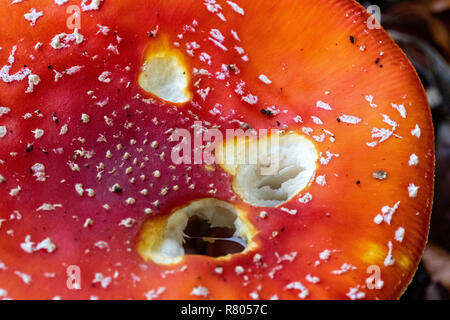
x: 437, y: 263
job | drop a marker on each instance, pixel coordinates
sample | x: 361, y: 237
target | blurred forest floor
x: 422, y: 29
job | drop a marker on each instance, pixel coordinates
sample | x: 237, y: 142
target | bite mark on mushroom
x: 276, y: 174
x: 162, y: 237
x: 164, y: 74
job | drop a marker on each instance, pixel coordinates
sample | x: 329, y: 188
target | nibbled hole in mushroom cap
x: 166, y: 240
x: 283, y: 167
x: 203, y: 239
x: 165, y: 75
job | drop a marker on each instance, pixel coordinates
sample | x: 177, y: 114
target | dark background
x: 422, y: 29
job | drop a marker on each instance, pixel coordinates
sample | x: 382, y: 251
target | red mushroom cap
x: 87, y: 122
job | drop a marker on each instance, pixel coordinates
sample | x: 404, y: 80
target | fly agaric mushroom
x: 93, y: 205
